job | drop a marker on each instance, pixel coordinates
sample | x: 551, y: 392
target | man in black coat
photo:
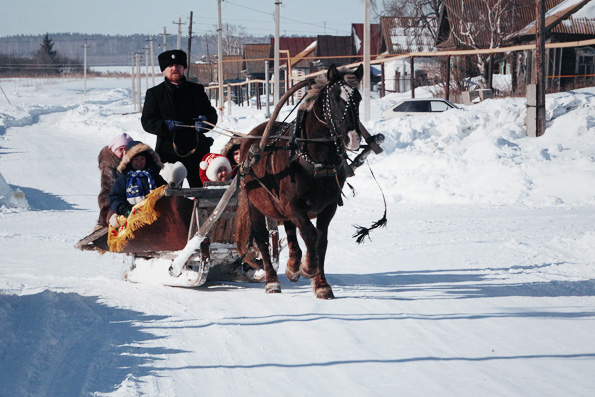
x: 173, y: 104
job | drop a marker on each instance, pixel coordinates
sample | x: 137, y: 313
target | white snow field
x: 482, y: 283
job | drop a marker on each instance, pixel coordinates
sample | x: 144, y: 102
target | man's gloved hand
x: 172, y: 125
x: 199, y: 124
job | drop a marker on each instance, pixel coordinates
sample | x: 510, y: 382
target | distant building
x: 403, y: 35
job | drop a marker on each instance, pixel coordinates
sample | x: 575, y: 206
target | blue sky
x: 300, y: 17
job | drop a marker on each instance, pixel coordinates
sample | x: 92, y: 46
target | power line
x: 284, y: 18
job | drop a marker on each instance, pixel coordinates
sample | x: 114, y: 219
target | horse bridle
x: 331, y: 124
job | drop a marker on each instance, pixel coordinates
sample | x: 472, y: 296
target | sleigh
x: 184, y: 214
x: 193, y: 239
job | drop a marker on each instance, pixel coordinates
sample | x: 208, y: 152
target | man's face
x: 174, y: 73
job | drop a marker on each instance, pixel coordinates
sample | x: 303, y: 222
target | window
x: 439, y: 106
x: 585, y: 64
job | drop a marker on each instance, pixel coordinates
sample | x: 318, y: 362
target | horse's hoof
x: 324, y: 293
x: 273, y: 288
x: 292, y: 276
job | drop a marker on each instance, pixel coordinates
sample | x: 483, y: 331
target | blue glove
x: 199, y: 125
x: 172, y: 125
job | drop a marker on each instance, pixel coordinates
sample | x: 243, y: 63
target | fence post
x: 412, y: 78
x: 382, y: 81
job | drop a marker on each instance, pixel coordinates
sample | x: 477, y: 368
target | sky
x: 115, y: 17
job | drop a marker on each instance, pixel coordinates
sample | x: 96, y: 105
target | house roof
x: 295, y: 46
x: 518, y: 21
x: 566, y: 17
x: 357, y: 37
x: 401, y: 35
x: 333, y: 45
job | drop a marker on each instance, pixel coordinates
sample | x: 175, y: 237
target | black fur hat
x: 172, y: 57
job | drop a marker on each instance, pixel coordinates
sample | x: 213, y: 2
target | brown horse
x: 300, y: 176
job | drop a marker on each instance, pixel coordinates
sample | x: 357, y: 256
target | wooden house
x: 403, y: 35
x: 331, y: 50
x: 566, y: 20
x: 357, y: 40
x: 255, y: 57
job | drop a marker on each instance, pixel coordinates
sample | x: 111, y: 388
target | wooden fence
x: 242, y: 92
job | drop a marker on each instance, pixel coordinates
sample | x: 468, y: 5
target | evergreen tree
x: 47, y: 57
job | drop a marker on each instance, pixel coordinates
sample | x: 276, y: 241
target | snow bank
x: 11, y: 200
x: 481, y: 154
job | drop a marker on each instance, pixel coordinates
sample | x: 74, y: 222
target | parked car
x: 413, y: 106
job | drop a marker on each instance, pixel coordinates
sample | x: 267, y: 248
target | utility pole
x: 151, y: 39
x: 189, y: 44
x: 140, y: 106
x: 164, y: 45
x: 146, y: 66
x: 276, y: 83
x: 85, y: 69
x: 367, y: 61
x: 220, y: 59
x: 179, y: 23
x: 267, y: 88
x: 133, y: 83
x: 535, y: 122
x: 540, y: 67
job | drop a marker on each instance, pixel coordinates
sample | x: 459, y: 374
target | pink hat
x: 210, y: 164
x: 119, y: 140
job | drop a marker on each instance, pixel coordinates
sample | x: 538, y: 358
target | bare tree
x: 424, y: 12
x: 481, y: 24
x: 232, y: 39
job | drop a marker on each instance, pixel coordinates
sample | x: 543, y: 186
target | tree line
x: 117, y: 50
x: 45, y: 62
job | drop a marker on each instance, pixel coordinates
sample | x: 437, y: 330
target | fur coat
x: 108, y: 166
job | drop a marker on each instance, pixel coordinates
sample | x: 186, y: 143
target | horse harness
x: 297, y: 137
x: 298, y: 140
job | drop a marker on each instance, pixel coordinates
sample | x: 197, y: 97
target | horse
x: 299, y: 176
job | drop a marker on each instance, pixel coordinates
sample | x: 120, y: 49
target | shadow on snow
x: 65, y: 344
x: 42, y: 201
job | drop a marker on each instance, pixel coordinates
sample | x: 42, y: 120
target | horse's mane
x: 320, y: 82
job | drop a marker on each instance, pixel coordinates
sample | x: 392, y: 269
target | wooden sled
x: 183, y: 213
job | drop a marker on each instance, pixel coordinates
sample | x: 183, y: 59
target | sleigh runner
x: 181, y: 214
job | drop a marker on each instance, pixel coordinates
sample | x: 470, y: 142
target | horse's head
x: 341, y: 105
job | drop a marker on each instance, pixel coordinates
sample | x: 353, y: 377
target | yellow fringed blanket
x: 141, y: 214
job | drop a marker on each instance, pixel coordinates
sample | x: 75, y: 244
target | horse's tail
x: 244, y: 231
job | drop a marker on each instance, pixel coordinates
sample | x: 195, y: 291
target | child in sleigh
x: 140, y: 168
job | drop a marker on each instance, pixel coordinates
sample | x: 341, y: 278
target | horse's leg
x: 292, y: 270
x: 322, y: 289
x: 309, y: 266
x: 261, y: 239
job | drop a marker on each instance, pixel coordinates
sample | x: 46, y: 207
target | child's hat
x: 210, y: 164
x: 120, y: 140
